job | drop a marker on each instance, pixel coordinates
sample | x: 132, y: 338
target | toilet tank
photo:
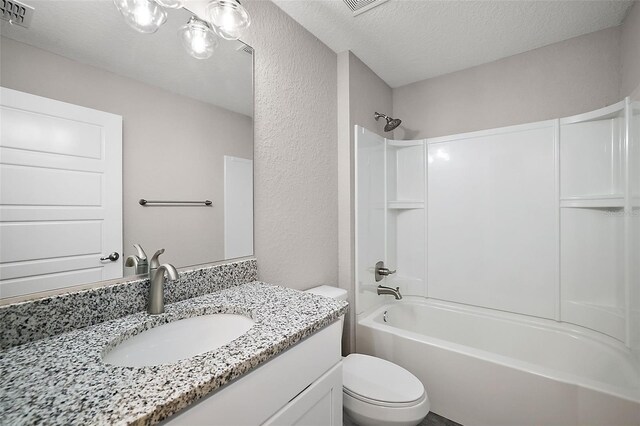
x: 332, y: 292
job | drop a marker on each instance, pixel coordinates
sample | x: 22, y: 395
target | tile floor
x: 435, y: 420
x: 432, y: 420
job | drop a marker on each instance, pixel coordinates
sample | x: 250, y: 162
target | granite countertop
x: 62, y: 379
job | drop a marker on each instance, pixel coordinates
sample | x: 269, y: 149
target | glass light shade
x: 171, y: 4
x: 144, y: 16
x: 198, y: 38
x: 229, y: 18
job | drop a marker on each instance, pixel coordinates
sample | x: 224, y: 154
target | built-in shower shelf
x: 405, y: 204
x: 404, y: 144
x: 594, y: 201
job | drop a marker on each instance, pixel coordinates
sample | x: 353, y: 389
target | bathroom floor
x: 435, y: 420
x: 432, y: 419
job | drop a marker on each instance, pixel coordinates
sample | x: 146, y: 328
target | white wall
x: 566, y: 78
x: 165, y: 138
x: 360, y: 93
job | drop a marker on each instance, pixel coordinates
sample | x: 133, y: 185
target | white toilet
x: 377, y: 392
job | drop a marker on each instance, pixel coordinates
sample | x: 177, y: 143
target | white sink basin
x: 178, y: 340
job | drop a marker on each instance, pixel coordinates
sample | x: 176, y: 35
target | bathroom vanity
x: 305, y: 382
x: 285, y: 369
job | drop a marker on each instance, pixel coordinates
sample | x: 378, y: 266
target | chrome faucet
x: 381, y: 271
x: 395, y: 292
x: 156, y: 279
x: 139, y: 261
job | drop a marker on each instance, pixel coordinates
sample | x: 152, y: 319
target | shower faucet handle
x: 381, y: 271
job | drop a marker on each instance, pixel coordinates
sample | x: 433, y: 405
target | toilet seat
x: 380, y: 382
x: 377, y: 403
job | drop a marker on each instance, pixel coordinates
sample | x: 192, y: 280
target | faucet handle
x: 141, y: 254
x: 381, y: 271
x: 172, y: 272
x: 155, y: 263
x: 136, y: 259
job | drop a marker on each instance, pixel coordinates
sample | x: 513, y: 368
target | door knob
x: 381, y: 271
x: 112, y: 257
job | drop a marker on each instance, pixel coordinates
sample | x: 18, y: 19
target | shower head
x: 392, y: 123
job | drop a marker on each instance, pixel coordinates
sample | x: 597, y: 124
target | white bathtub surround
x: 484, y: 367
x: 534, y: 219
x: 535, y: 223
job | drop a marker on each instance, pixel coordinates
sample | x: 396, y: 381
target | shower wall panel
x: 371, y: 216
x: 492, y: 219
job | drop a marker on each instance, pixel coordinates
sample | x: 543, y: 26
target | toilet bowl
x: 377, y: 392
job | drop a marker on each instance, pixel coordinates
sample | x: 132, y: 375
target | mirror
x: 97, y: 117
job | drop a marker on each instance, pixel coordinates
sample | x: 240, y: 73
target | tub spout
x: 395, y: 292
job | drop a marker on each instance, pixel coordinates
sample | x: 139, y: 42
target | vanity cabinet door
x: 318, y: 405
x: 258, y: 396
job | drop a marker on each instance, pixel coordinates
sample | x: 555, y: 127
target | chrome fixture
x: 113, y: 257
x: 381, y: 271
x: 139, y: 261
x: 228, y: 17
x: 144, y: 202
x: 144, y: 16
x: 198, y: 38
x: 156, y: 286
x: 392, y: 123
x: 395, y: 292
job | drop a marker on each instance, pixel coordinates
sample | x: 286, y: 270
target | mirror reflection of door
x: 60, y: 194
x: 180, y: 116
x: 238, y: 207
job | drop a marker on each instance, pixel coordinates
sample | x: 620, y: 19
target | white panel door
x: 492, y: 219
x: 60, y: 194
x: 238, y: 207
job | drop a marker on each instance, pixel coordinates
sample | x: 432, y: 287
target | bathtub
x: 482, y: 367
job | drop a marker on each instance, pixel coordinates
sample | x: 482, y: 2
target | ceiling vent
x: 360, y: 6
x: 16, y: 13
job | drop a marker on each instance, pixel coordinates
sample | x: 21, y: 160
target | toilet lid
x: 380, y: 380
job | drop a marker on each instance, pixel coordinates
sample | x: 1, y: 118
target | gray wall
x: 573, y: 76
x: 630, y: 53
x: 360, y: 93
x: 166, y: 137
x: 296, y: 162
x: 368, y: 94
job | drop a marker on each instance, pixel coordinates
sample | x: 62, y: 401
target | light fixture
x: 171, y: 4
x: 229, y: 18
x: 145, y: 16
x: 198, y: 38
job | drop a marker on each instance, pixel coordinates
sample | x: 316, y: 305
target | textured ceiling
x: 93, y: 32
x: 404, y: 41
